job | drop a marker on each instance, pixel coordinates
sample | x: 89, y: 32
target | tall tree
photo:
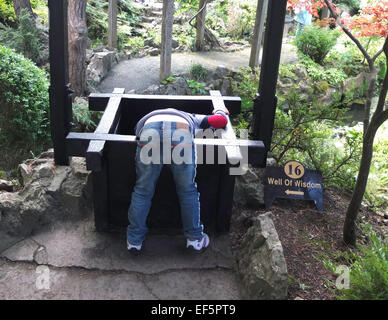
x: 200, y: 25
x: 373, y: 21
x: 18, y: 5
x: 78, y: 34
x: 166, y: 46
x: 112, y: 24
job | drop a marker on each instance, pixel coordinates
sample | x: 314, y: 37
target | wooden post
x: 261, y: 11
x: 200, y: 25
x: 166, y: 45
x: 60, y: 92
x: 265, y: 102
x: 112, y: 24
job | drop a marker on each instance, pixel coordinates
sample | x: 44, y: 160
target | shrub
x: 24, y: 39
x: 316, y: 42
x: 241, y: 19
x: 24, y: 102
x: 317, y: 72
x: 368, y: 269
x: 7, y: 13
x: 198, y: 72
x: 196, y: 88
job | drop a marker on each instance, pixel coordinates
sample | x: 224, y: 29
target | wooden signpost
x: 293, y: 181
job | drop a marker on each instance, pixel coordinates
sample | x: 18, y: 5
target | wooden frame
x: 100, y: 148
x: 112, y: 145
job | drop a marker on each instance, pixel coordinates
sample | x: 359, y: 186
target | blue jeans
x: 147, y: 175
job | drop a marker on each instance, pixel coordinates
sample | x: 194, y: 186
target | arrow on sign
x: 299, y: 193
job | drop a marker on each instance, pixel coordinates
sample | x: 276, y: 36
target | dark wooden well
x: 110, y: 150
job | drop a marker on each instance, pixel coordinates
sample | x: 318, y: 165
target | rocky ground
x: 308, y: 236
x: 49, y: 249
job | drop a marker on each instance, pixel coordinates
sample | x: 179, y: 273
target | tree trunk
x: 112, y: 24
x: 78, y: 34
x: 261, y: 12
x: 166, y: 43
x: 349, y: 231
x: 379, y: 117
x: 200, y: 25
x: 18, y: 5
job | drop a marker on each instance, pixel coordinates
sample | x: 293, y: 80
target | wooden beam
x: 99, y: 101
x: 233, y: 152
x: 107, y: 124
x: 266, y: 101
x: 60, y: 92
x: 78, y: 142
x: 258, y: 30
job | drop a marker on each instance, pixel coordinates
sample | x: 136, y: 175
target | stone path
x: 70, y: 260
x: 140, y: 73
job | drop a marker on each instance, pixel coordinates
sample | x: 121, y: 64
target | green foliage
x: 382, y: 71
x: 352, y: 5
x: 368, y: 269
x: 349, y: 61
x: 196, y: 88
x: 241, y: 19
x: 97, y: 20
x: 83, y: 117
x: 135, y: 44
x: 316, y: 42
x: 168, y: 80
x: 24, y: 102
x: 245, y: 84
x: 198, y: 72
x: 7, y: 13
x: 304, y: 131
x: 24, y: 39
x: 377, y: 188
x: 317, y: 72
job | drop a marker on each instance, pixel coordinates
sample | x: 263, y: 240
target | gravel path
x: 139, y: 74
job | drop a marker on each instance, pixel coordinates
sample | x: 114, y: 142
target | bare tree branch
x: 349, y: 34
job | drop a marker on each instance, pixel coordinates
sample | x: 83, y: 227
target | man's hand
x: 223, y: 109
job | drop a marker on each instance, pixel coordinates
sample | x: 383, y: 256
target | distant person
x: 171, y: 132
x: 303, y: 17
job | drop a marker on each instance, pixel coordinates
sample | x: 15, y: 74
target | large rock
x: 261, y: 262
x: 100, y: 64
x: 249, y: 188
x: 49, y: 193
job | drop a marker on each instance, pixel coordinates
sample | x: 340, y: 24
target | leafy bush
x: 241, y: 19
x: 97, y: 19
x: 24, y: 102
x: 246, y: 84
x: 316, y: 42
x: 7, y: 13
x: 368, y: 269
x: 304, y: 131
x: 83, y: 117
x: 333, y: 76
x: 24, y: 39
x: 198, y: 72
x: 196, y: 88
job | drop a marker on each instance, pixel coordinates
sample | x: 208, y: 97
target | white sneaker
x: 198, y: 245
x: 133, y: 248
